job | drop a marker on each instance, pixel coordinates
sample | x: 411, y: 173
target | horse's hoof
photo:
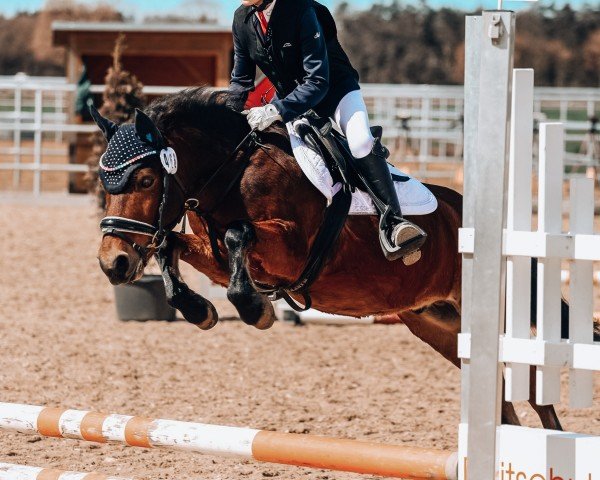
x: 411, y: 258
x: 254, y: 309
x: 268, y: 317
x: 194, y: 308
x: 212, y: 318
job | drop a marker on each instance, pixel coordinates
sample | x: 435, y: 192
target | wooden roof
x: 62, y: 30
x: 159, y: 54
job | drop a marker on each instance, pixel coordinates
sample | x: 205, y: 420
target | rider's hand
x: 260, y: 118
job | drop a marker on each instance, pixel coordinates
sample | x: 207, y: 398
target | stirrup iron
x: 406, y: 249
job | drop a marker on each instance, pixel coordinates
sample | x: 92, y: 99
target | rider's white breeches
x: 352, y: 118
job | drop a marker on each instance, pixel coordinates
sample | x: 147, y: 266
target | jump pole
x: 9, y: 471
x: 261, y: 445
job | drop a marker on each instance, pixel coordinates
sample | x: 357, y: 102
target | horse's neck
x: 275, y: 173
x: 195, y: 177
x: 271, y: 173
x: 212, y: 188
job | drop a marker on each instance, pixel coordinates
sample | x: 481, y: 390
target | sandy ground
x: 61, y: 344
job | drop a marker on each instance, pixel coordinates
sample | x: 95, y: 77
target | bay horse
x: 265, y: 225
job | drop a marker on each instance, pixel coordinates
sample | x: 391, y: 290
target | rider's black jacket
x: 300, y: 54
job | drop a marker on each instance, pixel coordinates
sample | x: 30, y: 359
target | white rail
x: 423, y: 124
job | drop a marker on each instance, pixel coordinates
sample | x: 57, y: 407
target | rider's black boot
x: 398, y: 237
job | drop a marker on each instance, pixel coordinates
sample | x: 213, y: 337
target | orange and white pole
x: 8, y: 471
x: 265, y: 446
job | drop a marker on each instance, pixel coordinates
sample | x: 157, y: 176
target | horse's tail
x: 564, y: 308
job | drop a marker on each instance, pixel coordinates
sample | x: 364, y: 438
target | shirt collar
x: 269, y: 10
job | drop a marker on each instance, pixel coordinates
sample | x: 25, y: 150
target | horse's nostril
x: 121, y: 265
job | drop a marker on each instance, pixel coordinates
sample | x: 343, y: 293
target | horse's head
x: 134, y: 172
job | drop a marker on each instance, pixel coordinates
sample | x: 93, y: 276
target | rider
x: 294, y: 42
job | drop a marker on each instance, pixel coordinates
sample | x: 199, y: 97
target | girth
x: 329, y: 230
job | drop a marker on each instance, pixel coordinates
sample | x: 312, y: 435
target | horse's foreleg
x: 509, y: 414
x: 194, y: 308
x: 254, y: 309
x: 547, y: 413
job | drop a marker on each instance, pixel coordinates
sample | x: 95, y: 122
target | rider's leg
x: 401, y: 237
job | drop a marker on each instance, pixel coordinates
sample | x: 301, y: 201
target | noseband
x: 120, y: 227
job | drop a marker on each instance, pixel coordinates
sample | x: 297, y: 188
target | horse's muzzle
x: 118, y: 267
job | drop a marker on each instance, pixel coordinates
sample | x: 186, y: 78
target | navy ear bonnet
x: 125, y: 154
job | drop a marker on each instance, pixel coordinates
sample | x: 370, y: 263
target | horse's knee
x: 194, y: 307
x: 254, y: 308
x: 361, y: 145
x: 239, y: 237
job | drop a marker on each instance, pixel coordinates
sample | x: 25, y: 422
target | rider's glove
x: 262, y: 117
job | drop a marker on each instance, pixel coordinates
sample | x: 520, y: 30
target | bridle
x: 121, y: 227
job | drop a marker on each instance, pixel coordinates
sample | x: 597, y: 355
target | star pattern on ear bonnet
x: 125, y: 154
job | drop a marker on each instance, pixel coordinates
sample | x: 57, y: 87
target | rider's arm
x: 243, y: 74
x: 315, y: 83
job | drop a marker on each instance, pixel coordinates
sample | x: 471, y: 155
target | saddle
x: 331, y: 145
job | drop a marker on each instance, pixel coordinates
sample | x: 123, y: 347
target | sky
x: 224, y: 8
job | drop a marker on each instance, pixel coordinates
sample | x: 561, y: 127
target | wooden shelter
x: 160, y: 55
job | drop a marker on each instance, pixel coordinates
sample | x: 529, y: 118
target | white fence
x: 428, y: 119
x: 35, y: 109
x: 423, y: 124
x: 498, y: 244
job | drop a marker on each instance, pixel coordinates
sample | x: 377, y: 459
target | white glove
x: 262, y: 117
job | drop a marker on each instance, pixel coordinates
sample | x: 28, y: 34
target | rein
x: 327, y: 235
x: 120, y: 226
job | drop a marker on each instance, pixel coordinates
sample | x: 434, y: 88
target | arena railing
x: 423, y: 124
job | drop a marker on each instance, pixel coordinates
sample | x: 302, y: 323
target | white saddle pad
x: 415, y: 198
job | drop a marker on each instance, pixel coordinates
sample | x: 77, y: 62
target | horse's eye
x: 147, y: 182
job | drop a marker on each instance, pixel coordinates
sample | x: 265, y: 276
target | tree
x: 591, y: 54
x: 394, y: 43
x: 122, y: 95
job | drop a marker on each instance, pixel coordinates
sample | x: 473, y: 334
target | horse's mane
x: 200, y: 110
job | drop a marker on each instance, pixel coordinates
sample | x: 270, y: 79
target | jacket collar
x: 266, y: 6
x: 269, y: 11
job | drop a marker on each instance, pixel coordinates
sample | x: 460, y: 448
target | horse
x: 263, y: 215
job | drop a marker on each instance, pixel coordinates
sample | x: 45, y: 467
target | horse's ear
x: 146, y: 130
x: 108, y: 128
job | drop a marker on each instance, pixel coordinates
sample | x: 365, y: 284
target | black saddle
x: 319, y: 135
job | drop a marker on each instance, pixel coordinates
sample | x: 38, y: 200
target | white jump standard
x: 498, y: 243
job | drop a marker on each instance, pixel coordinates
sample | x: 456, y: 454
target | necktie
x: 264, y: 24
